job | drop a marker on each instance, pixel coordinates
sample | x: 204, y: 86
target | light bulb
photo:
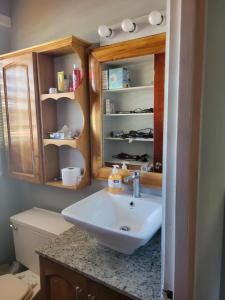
x: 128, y: 25
x: 155, y: 18
x: 104, y: 31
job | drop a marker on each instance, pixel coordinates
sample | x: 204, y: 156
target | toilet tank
x: 32, y: 229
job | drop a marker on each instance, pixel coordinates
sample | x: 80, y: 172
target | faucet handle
x: 136, y: 173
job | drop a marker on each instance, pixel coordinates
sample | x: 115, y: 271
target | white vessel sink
x: 120, y: 222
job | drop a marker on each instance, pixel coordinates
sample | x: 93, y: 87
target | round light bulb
x: 128, y: 25
x: 104, y: 31
x: 155, y: 18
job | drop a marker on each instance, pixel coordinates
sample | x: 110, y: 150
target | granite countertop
x: 138, y: 276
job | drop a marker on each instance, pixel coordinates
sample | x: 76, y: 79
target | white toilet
x: 31, y: 229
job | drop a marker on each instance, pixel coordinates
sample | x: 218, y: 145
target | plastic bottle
x: 124, y: 166
x: 115, y: 181
x: 60, y: 76
x: 66, y: 83
x: 76, y: 77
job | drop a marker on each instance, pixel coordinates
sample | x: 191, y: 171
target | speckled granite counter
x: 137, y: 276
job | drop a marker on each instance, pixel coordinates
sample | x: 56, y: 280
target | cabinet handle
x: 90, y: 297
x: 78, y: 292
x: 13, y: 227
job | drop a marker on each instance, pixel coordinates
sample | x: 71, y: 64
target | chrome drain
x: 125, y: 228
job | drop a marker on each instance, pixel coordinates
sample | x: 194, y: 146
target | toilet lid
x: 13, y: 288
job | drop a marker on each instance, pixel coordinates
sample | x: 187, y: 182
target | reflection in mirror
x: 128, y: 114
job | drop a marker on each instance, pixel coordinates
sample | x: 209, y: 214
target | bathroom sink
x: 120, y: 222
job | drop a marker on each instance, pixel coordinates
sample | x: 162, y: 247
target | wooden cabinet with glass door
x: 127, y: 107
x: 21, y: 114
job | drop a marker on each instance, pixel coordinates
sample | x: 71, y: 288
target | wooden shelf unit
x: 52, y: 148
x: 71, y: 143
x: 129, y: 139
x: 130, y: 89
x: 58, y: 184
x: 58, y: 96
x: 129, y: 115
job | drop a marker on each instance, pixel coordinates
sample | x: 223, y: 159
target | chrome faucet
x: 135, y: 177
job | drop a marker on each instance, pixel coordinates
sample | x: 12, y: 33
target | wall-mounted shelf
x: 70, y: 143
x: 127, y: 162
x: 122, y: 115
x: 130, y: 89
x: 129, y: 139
x: 59, y: 184
x: 57, y: 96
x: 35, y: 113
x: 66, y: 108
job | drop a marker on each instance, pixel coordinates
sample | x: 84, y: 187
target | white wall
x: 5, y: 7
x: 4, y: 39
x: 9, y: 205
x: 40, y: 21
x: 9, y: 202
x: 212, y: 164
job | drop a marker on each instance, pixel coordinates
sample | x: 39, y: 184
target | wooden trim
x: 58, y: 96
x: 139, y: 47
x: 153, y: 180
x: 70, y: 143
x: 190, y: 94
x: 159, y: 106
x: 59, y: 46
x: 182, y: 144
x: 96, y: 124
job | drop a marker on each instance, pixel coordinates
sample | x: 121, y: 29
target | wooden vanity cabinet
x: 21, y: 113
x: 60, y: 283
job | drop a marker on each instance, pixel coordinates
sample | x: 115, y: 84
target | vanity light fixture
x: 128, y: 25
x: 155, y: 18
x: 104, y: 31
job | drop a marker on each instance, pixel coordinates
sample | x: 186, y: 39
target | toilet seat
x: 31, y: 279
x: 13, y: 288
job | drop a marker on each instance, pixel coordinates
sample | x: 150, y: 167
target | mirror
x: 127, y: 106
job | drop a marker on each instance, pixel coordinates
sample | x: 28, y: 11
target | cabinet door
x: 21, y: 117
x: 101, y: 292
x: 61, y: 289
x: 59, y: 283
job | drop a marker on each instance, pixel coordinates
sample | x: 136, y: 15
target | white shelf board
x: 130, y: 89
x: 129, y: 139
x: 136, y: 114
x: 127, y: 162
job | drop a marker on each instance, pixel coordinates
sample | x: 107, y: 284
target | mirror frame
x: 154, y: 44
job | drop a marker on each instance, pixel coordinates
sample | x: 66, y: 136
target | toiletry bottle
x: 70, y: 83
x: 66, y: 83
x: 76, y: 77
x: 108, y: 106
x: 115, y: 181
x: 124, y: 166
x: 60, y: 76
x: 124, y: 170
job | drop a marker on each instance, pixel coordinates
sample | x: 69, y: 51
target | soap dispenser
x: 115, y: 181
